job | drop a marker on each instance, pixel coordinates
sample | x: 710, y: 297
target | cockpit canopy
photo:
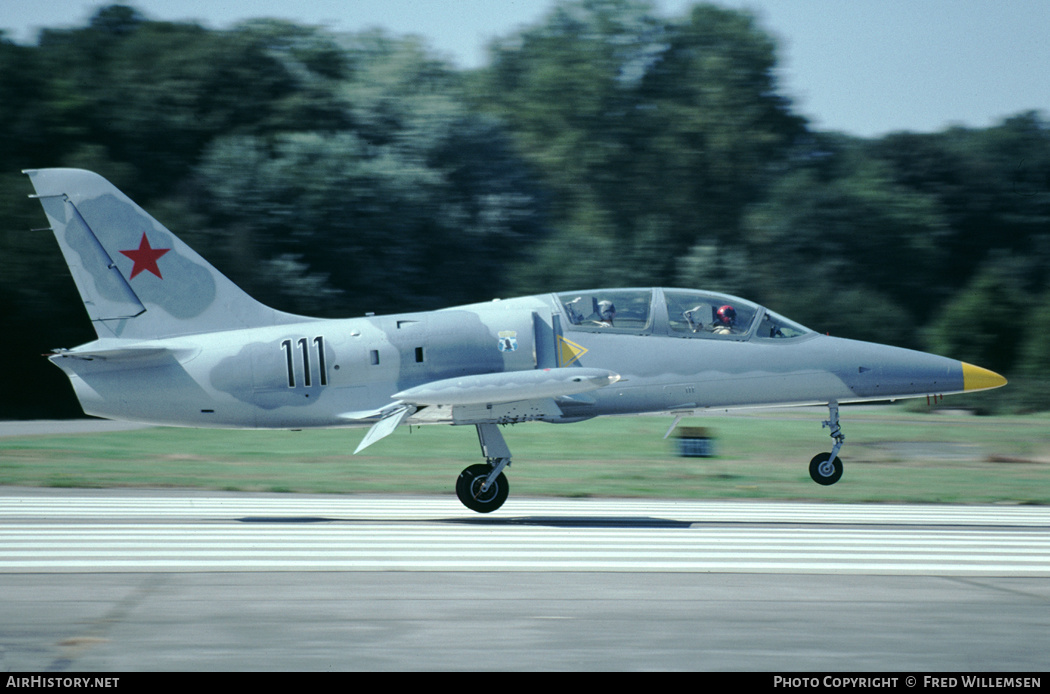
x: 677, y: 312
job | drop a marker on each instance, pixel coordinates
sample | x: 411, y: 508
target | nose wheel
x: 826, y: 468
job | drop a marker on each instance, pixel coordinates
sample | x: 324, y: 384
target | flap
x: 384, y: 427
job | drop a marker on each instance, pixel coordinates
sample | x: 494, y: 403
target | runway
x: 145, y: 580
x: 127, y: 531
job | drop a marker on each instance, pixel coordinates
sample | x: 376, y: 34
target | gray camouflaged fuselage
x: 180, y: 344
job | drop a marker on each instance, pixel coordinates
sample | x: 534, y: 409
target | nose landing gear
x: 826, y: 468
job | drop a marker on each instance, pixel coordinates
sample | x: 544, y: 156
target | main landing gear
x: 484, y: 487
x: 826, y: 468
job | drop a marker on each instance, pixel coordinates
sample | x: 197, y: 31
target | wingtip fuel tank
x: 508, y: 387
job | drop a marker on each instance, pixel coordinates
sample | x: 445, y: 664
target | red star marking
x: 145, y: 257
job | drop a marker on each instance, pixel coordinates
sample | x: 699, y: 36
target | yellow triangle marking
x: 569, y: 351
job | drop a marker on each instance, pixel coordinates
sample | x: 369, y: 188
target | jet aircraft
x: 180, y: 344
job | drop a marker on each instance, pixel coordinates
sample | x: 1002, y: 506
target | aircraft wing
x: 482, y: 389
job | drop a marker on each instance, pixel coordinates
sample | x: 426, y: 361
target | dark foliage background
x: 335, y: 174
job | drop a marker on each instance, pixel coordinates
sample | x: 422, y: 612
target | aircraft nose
x: 976, y: 378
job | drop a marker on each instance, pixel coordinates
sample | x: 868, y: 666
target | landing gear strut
x: 826, y: 468
x: 484, y: 487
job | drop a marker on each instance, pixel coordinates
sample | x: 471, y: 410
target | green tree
x: 840, y: 227
x: 651, y: 134
x: 985, y: 323
x: 993, y: 186
x: 420, y: 204
x: 1034, y: 358
x: 154, y: 94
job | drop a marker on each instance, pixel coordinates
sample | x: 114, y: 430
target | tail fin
x: 136, y: 278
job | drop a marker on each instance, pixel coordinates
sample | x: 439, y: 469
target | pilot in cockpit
x: 606, y: 312
x: 725, y: 321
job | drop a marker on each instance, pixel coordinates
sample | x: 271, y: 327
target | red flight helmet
x: 726, y: 315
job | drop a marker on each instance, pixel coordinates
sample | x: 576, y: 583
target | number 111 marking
x: 288, y: 346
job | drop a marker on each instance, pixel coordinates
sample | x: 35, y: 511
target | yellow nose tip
x: 976, y: 378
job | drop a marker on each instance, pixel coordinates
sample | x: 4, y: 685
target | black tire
x: 825, y: 471
x: 471, y: 479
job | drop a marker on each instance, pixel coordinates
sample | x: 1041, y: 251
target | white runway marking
x: 70, y: 531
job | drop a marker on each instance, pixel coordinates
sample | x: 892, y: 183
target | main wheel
x: 824, y: 470
x: 468, y: 489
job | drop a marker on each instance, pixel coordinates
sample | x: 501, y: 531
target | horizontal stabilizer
x: 508, y: 386
x: 127, y: 353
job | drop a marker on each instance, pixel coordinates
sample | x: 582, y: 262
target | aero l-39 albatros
x: 180, y: 344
